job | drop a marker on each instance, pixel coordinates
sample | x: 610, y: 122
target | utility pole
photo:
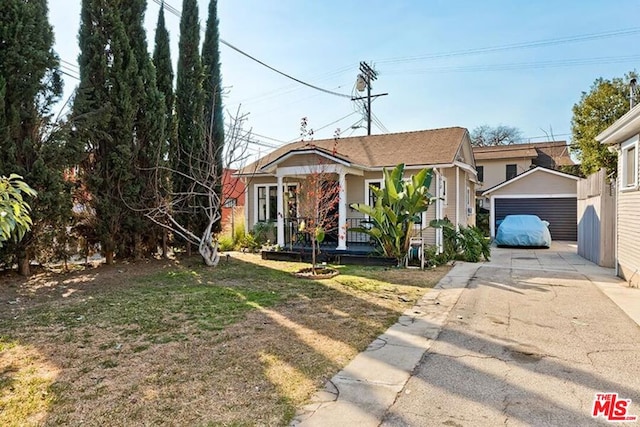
x: 366, y: 76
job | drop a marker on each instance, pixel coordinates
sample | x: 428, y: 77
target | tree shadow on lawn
x: 242, y: 343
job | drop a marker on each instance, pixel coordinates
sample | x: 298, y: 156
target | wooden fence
x: 596, y: 219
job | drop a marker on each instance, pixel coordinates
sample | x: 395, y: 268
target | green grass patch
x: 180, y: 333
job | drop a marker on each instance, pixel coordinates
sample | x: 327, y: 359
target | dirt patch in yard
x: 175, y: 343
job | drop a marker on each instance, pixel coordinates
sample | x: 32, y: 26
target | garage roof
x: 527, y: 173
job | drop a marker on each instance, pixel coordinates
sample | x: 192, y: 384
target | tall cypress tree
x: 148, y: 133
x: 212, y: 87
x: 189, y: 112
x: 104, y: 114
x: 164, y: 81
x: 30, y: 84
x: 164, y: 76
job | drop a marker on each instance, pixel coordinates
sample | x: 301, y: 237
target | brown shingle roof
x: 546, y: 152
x: 425, y: 147
x: 503, y: 154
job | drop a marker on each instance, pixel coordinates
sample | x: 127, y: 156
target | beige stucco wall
x: 539, y: 183
x: 495, y: 171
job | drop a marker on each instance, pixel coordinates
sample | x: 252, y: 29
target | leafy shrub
x: 226, y: 243
x: 264, y: 232
x: 468, y: 244
x: 482, y: 221
x: 248, y: 242
x: 238, y: 228
x: 473, y: 244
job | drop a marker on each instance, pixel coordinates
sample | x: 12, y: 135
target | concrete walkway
x: 527, y: 339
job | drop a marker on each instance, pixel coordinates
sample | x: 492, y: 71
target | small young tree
x: 317, y: 201
x: 318, y: 197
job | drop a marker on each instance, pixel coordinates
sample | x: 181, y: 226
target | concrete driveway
x: 527, y: 339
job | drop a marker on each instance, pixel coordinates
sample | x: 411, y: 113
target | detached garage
x: 547, y: 193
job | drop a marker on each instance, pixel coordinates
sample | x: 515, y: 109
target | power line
x: 70, y: 75
x: 328, y: 124
x: 378, y: 123
x: 268, y: 137
x: 514, y: 46
x: 70, y: 65
x: 518, y: 65
x: 177, y: 13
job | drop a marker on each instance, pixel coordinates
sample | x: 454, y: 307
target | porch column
x: 280, y: 216
x: 439, y: 211
x: 342, y: 211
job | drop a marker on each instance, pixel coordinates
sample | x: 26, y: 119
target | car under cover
x: 523, y: 230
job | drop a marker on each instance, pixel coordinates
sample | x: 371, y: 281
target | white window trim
x: 293, y: 184
x: 367, y: 182
x: 444, y: 185
x: 625, y: 147
x: 256, y: 212
x: 268, y: 185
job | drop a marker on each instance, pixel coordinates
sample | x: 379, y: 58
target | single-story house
x: 547, y: 193
x: 356, y: 164
x: 622, y: 136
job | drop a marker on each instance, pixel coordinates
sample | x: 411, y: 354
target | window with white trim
x: 629, y: 164
x: 291, y: 200
x: 371, y: 196
x: 267, y: 202
x: 443, y: 191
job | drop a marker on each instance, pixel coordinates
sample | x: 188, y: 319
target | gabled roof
x: 549, y: 153
x: 417, y: 148
x: 527, y: 173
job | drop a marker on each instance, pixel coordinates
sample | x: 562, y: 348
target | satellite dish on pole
x: 361, y: 84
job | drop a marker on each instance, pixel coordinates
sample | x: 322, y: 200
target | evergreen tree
x: 148, y: 134
x: 164, y: 81
x: 212, y: 87
x: 187, y: 153
x: 30, y: 83
x: 164, y: 76
x: 104, y: 116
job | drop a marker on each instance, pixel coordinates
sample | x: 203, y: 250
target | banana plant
x: 14, y: 209
x: 399, y: 205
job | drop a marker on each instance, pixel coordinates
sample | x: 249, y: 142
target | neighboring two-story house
x: 526, y: 179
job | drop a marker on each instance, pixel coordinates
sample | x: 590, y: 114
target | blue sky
x: 322, y: 42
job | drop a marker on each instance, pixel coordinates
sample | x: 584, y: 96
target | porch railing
x: 295, y: 237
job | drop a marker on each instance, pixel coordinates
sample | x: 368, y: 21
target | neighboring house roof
x: 417, y: 148
x: 527, y: 173
x: 547, y: 154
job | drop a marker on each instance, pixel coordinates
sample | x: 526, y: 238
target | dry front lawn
x: 175, y: 343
